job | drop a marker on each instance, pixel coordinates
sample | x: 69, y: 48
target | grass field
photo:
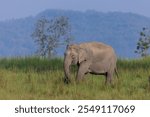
x: 35, y: 78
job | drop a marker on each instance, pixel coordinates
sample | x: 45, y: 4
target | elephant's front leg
x: 82, y: 70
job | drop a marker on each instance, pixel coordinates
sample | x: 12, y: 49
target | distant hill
x: 120, y: 30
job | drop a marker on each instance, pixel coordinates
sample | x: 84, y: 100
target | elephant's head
x: 74, y: 55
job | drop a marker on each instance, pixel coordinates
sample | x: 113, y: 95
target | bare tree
x: 50, y: 34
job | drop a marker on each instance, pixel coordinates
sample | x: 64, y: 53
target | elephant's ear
x: 82, y: 55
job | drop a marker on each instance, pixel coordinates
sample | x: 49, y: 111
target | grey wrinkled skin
x: 91, y: 57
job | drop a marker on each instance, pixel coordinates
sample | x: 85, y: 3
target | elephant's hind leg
x: 108, y: 78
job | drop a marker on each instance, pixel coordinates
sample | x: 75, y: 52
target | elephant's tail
x: 116, y: 71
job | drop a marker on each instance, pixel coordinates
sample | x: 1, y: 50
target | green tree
x: 143, y: 43
x: 50, y: 34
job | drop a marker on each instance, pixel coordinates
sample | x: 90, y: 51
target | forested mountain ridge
x: 120, y: 30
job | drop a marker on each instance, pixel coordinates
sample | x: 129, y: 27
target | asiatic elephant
x: 91, y: 57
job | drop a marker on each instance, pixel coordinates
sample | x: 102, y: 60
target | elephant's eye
x: 73, y: 56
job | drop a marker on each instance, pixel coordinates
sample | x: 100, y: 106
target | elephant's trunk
x: 67, y: 63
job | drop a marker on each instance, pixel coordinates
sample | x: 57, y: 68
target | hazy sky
x: 22, y: 8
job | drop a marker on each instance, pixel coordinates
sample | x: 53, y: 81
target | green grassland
x: 36, y: 78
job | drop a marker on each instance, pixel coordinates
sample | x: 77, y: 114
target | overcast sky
x: 22, y: 8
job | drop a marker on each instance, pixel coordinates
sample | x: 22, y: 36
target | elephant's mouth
x: 74, y: 61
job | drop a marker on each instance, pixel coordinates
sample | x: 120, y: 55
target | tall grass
x: 38, y: 78
x: 31, y: 63
x: 143, y: 63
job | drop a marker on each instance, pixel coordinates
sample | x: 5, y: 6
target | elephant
x: 90, y: 57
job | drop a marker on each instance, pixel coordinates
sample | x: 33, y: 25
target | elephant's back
x: 96, y: 46
x: 100, y: 50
